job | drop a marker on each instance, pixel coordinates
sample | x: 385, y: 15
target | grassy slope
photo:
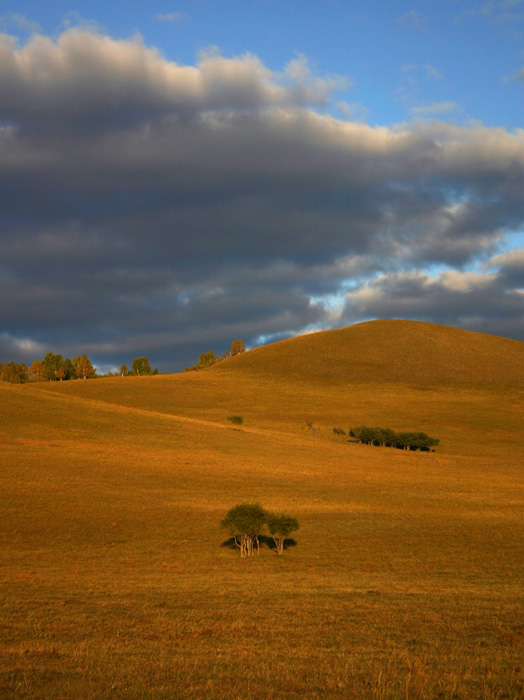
x: 407, y: 578
x: 422, y: 354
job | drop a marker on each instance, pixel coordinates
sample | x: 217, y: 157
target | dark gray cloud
x: 490, y: 301
x: 154, y: 208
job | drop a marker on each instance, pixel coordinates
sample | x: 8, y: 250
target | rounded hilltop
x: 389, y: 351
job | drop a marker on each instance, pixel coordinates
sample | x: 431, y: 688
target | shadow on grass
x: 264, y: 540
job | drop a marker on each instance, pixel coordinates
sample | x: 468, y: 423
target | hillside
x: 391, y: 351
x: 398, y: 374
x: 406, y: 579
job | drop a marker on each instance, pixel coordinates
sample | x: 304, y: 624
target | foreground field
x: 407, y: 577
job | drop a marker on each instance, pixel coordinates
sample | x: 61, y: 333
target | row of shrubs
x: 385, y: 437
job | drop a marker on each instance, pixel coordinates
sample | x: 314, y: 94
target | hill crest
x: 389, y: 351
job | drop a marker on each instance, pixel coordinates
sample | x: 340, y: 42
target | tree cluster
x: 206, y: 359
x: 209, y: 358
x: 385, y: 437
x: 14, y: 373
x: 140, y: 368
x: 52, y: 368
x: 247, y: 521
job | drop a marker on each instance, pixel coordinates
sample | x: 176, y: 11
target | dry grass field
x: 407, y: 578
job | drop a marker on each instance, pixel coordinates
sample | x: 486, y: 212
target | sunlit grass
x: 406, y: 581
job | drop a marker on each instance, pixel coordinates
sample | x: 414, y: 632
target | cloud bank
x: 155, y: 208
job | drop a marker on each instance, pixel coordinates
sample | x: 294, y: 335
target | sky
x: 174, y: 177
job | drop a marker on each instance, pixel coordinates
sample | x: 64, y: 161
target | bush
x: 236, y: 420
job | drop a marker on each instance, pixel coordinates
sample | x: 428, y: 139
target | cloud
x: 353, y: 111
x: 413, y: 20
x: 504, y: 10
x: 171, y: 17
x: 484, y: 302
x: 23, y: 349
x: 74, y: 20
x: 505, y: 15
x: 18, y: 22
x: 433, y: 73
x: 155, y: 208
x: 434, y: 109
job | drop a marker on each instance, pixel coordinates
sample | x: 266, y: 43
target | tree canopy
x: 280, y: 526
x: 52, y: 368
x: 237, y: 347
x: 385, y: 437
x: 245, y: 523
x: 207, y: 359
x: 83, y: 367
x: 14, y: 373
x: 141, y: 366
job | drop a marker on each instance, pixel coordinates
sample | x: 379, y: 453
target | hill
x: 406, y: 579
x: 391, y: 351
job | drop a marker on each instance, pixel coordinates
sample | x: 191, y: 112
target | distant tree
x: 37, y: 372
x: 141, y: 366
x: 367, y: 435
x: 123, y: 370
x: 236, y: 420
x: 237, y: 347
x: 14, y: 373
x: 52, y: 364
x: 206, y: 360
x: 244, y: 523
x: 280, y: 526
x: 311, y: 428
x: 388, y: 437
x: 68, y: 369
x: 339, y: 432
x: 83, y: 367
x: 415, y: 441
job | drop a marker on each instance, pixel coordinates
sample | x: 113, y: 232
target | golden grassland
x: 407, y: 578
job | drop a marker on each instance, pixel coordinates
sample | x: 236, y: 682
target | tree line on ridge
x: 53, y: 367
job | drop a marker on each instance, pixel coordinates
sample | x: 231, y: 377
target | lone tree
x: 206, y: 360
x: 37, y: 372
x: 245, y: 523
x: 237, y: 347
x: 141, y: 366
x: 280, y: 526
x: 83, y: 367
